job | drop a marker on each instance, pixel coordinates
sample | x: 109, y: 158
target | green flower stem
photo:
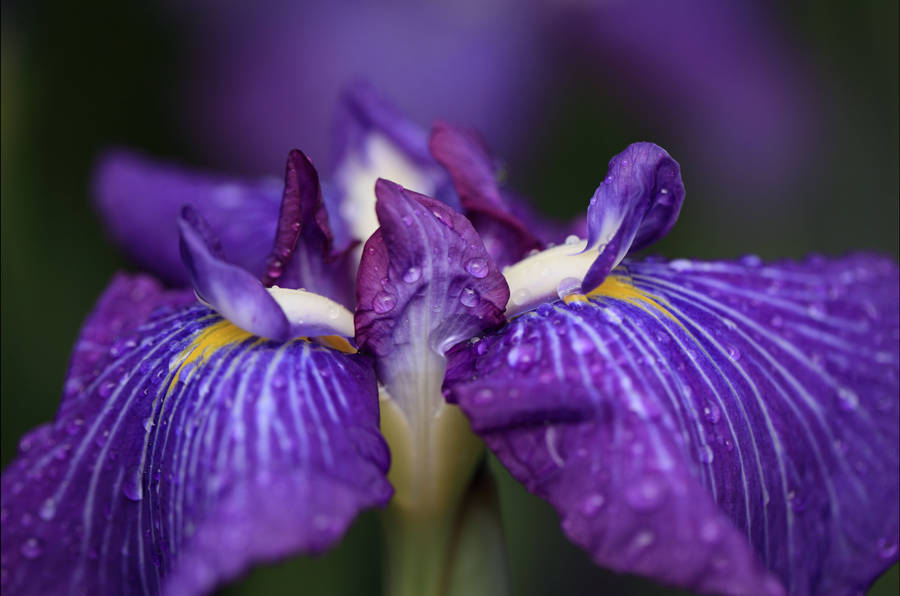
x: 417, y: 552
x: 455, y: 552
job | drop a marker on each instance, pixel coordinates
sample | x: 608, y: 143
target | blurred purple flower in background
x: 722, y: 426
x: 719, y: 76
x: 713, y: 79
x: 263, y: 77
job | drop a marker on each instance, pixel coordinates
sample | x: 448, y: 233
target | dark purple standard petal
x: 636, y: 205
x: 190, y: 451
x: 472, y: 170
x: 700, y: 423
x: 140, y: 200
x: 424, y: 274
x: 234, y: 292
x: 302, y: 254
x: 300, y: 182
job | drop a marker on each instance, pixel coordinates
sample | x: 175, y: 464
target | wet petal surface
x: 701, y: 423
x: 636, y: 205
x: 302, y: 255
x: 189, y: 451
x: 425, y: 276
x: 425, y: 283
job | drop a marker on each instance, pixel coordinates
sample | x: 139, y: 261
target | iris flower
x: 727, y: 426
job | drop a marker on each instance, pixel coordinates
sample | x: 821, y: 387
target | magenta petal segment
x: 636, y: 205
x: 189, y: 451
x: 140, y: 199
x: 302, y: 254
x: 424, y: 276
x: 472, y: 170
x: 713, y: 425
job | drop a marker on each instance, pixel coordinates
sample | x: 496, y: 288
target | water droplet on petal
x: 48, y: 509
x: 816, y: 311
x: 438, y: 216
x: 646, y: 494
x: 712, y: 413
x: 572, y: 239
x: 468, y: 297
x: 521, y: 296
x: 887, y: 548
x: 681, y: 265
x: 750, y: 261
x: 477, y: 267
x: 412, y: 275
x: 407, y: 220
x: 132, y: 484
x: 847, y: 399
x: 568, y: 286
x: 483, y: 396
x: 642, y: 540
x: 706, y: 454
x: 710, y: 531
x: 612, y: 316
x: 31, y: 548
x: 383, y: 303
x: 74, y: 427
x: 106, y: 389
x: 592, y: 504
x: 582, y: 344
x: 733, y: 353
x: 522, y: 356
x: 797, y: 502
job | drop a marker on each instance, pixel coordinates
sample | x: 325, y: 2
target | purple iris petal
x: 362, y: 110
x: 472, y: 170
x: 636, y: 205
x: 189, y: 452
x: 140, y: 201
x: 375, y: 140
x: 302, y: 254
x: 769, y: 390
x: 234, y: 292
x: 126, y: 301
x: 424, y: 274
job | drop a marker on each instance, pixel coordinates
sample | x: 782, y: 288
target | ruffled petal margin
x: 726, y: 427
x: 186, y: 451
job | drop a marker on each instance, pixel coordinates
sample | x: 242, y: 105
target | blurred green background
x: 79, y: 77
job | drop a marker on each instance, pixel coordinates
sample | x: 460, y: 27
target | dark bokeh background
x: 79, y: 77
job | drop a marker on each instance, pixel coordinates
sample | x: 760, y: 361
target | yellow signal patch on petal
x: 620, y: 287
x: 214, y: 337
